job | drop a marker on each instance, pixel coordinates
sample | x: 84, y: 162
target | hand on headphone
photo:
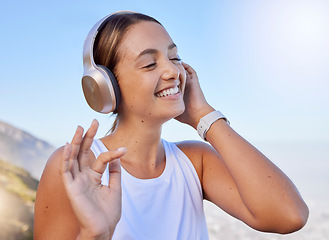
x: 196, y: 105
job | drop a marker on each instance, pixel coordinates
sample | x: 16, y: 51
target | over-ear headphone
x: 99, y: 84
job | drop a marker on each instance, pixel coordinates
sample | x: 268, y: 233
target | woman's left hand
x: 196, y: 105
x: 97, y: 207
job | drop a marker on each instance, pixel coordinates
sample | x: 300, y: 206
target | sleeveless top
x: 167, y: 207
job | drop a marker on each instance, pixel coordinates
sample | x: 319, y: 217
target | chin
x: 179, y: 111
x: 172, y: 112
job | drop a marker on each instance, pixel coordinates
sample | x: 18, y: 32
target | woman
x: 163, y: 184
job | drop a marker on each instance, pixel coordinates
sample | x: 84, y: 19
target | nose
x: 170, y: 70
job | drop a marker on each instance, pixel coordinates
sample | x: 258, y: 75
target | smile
x: 168, y: 92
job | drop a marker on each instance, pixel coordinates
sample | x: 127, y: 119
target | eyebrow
x: 154, y: 51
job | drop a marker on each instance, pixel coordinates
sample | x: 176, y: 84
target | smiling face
x: 150, y: 74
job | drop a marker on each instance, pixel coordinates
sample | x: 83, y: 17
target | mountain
x: 17, y: 195
x: 24, y: 150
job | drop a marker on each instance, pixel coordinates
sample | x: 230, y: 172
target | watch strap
x: 206, y: 121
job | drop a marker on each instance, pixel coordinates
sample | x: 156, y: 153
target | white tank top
x: 167, y: 207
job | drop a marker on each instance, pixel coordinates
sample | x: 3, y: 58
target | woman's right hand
x: 196, y: 105
x: 97, y: 207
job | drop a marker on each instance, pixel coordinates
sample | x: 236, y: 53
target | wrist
x: 200, y: 114
x: 206, y: 122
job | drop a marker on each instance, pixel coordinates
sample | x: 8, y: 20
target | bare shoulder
x: 195, y: 151
x: 53, y: 215
x: 193, y: 148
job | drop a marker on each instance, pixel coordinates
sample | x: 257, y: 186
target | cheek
x: 135, y: 92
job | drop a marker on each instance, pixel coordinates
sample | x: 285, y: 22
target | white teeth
x: 168, y: 92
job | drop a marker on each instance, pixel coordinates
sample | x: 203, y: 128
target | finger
x: 75, y: 147
x: 83, y: 156
x: 100, y: 163
x: 188, y: 68
x: 115, y: 174
x: 76, y: 142
x: 65, y: 168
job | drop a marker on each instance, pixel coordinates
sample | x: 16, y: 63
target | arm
x: 53, y: 214
x: 71, y: 202
x: 239, y: 178
x: 268, y: 199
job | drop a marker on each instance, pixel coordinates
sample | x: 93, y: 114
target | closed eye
x: 150, y: 66
x: 177, y: 59
x: 153, y: 65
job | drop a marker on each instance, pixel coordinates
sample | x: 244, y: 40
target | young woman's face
x: 150, y: 74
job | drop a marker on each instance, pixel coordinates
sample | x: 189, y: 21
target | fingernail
x: 122, y: 149
x: 67, y: 148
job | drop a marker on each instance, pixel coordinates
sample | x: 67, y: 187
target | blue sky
x: 264, y: 64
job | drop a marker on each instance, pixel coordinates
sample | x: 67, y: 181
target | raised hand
x: 96, y: 206
x: 196, y: 105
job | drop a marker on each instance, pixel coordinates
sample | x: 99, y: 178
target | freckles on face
x: 145, y: 53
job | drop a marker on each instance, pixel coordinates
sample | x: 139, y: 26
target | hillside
x: 17, y: 195
x: 24, y: 150
x: 22, y: 159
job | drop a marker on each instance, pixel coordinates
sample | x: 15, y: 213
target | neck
x: 145, y: 156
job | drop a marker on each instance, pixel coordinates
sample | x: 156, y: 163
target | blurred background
x: 264, y: 64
